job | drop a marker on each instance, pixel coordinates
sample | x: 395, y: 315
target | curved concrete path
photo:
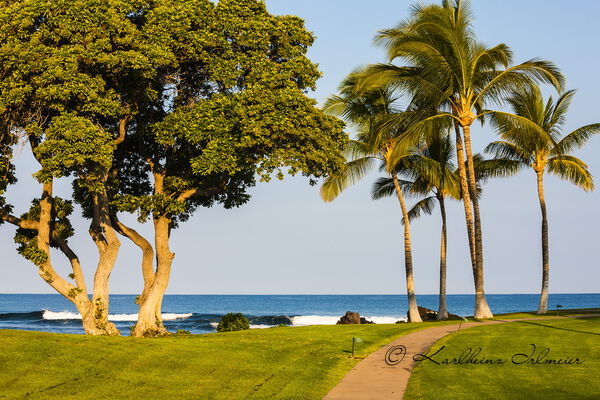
x: 374, y: 379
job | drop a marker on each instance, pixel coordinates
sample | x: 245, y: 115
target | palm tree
x: 363, y: 110
x: 433, y: 177
x: 448, y: 69
x: 531, y: 138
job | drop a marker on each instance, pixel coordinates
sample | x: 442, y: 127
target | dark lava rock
x: 430, y: 315
x: 352, y: 318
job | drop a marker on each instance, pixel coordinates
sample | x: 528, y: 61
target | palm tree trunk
x: 442, y: 308
x: 482, y: 310
x: 413, y: 309
x: 464, y: 186
x: 543, y: 307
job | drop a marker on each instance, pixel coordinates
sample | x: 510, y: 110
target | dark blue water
x: 200, y: 313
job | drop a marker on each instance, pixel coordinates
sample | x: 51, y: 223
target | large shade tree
x: 156, y: 108
x: 66, y: 70
x: 230, y: 107
x: 435, y: 55
x: 533, y: 137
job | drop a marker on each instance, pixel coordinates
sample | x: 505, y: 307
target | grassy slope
x: 276, y: 363
x: 551, y: 313
x: 565, y: 338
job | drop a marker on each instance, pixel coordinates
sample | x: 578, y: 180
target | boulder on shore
x: 430, y: 315
x: 352, y: 318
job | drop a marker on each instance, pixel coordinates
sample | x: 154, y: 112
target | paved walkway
x: 374, y: 379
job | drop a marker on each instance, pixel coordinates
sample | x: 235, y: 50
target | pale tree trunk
x: 543, y: 307
x: 149, y: 320
x: 482, y: 310
x: 105, y: 237
x: 413, y: 310
x: 442, y: 309
x: 148, y: 271
x: 108, y: 245
x: 76, y: 294
x: 147, y: 255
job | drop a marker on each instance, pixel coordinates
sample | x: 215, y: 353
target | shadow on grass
x: 557, y: 327
x: 349, y: 354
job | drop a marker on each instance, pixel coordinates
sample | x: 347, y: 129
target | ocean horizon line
x: 309, y: 294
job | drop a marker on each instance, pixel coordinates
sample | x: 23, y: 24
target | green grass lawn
x: 572, y: 338
x: 275, y: 363
x: 551, y: 313
x: 289, y: 363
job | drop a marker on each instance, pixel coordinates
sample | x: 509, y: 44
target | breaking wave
x: 64, y: 315
x: 70, y: 321
x: 304, y: 320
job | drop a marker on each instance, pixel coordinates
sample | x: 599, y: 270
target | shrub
x: 182, y: 332
x: 233, y: 322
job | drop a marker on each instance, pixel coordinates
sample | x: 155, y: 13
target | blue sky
x: 286, y: 240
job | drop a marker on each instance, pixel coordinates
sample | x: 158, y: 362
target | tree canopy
x: 156, y: 108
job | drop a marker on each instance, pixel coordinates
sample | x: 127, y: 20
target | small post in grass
x: 463, y: 319
x: 557, y: 307
x: 355, y: 340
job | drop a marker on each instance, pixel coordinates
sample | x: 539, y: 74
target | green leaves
x: 577, y: 139
x: 530, y: 136
x: 571, y: 169
x: 214, y: 93
x: 73, y: 144
x: 354, y: 171
x: 60, y: 225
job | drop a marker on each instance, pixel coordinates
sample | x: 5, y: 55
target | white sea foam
x: 385, y: 320
x: 215, y: 324
x: 261, y: 326
x: 112, y: 317
x: 60, y: 315
x: 303, y: 320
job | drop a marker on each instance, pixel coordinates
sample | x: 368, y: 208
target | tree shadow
x: 557, y: 327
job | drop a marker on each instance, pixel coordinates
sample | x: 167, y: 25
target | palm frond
x: 353, y: 172
x: 495, y: 84
x: 383, y: 187
x: 505, y: 150
x: 489, y: 58
x: 409, y: 137
x: 356, y: 149
x: 559, y: 110
x: 496, y: 168
x: 571, y: 169
x: 426, y: 205
x: 577, y: 138
x: 521, y: 131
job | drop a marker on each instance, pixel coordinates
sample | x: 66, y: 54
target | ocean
x: 201, y: 313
